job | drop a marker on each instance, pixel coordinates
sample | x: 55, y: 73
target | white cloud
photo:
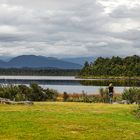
x: 69, y: 28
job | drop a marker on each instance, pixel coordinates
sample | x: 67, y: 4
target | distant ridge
x: 33, y: 61
x: 79, y: 60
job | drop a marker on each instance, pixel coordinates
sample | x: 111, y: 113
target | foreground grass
x: 70, y: 121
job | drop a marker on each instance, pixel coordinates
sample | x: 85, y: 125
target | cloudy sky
x: 69, y: 28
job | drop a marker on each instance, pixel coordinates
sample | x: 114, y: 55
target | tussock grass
x: 68, y: 121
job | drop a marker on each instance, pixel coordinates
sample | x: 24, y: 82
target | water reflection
x: 70, y: 84
x: 127, y: 83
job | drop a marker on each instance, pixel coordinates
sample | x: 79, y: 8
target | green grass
x: 68, y: 121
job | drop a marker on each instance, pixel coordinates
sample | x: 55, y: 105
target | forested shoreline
x: 101, y: 68
x: 39, y: 72
x: 112, y: 67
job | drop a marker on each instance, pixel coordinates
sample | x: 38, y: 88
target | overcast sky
x: 69, y: 28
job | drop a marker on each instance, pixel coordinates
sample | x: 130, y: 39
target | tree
x: 115, y: 66
x: 51, y: 94
x: 37, y: 93
x: 86, y: 64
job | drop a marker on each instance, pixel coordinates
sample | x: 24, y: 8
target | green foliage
x: 131, y: 95
x: 9, y: 91
x: 19, y: 97
x: 51, y: 94
x: 104, y: 95
x: 86, y: 64
x: 137, y: 112
x: 41, y: 72
x: 23, y: 92
x: 37, y: 93
x: 116, y: 82
x: 115, y: 66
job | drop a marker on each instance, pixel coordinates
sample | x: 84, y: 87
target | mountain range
x: 79, y: 60
x: 32, y: 61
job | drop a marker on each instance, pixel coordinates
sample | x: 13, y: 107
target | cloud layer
x: 68, y: 28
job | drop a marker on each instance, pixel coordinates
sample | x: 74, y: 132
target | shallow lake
x: 69, y: 84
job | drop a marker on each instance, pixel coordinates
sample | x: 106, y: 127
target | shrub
x: 37, y: 93
x: 9, y: 91
x: 51, y: 94
x: 20, y: 97
x: 23, y: 92
x: 137, y: 112
x: 131, y: 95
x: 104, y: 95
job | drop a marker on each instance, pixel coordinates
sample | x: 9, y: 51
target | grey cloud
x: 125, y: 12
x: 67, y: 28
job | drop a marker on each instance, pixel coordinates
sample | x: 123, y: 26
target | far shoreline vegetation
x: 38, y: 72
x: 112, y: 68
x: 116, y: 68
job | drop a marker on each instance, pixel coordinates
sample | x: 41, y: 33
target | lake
x: 69, y: 84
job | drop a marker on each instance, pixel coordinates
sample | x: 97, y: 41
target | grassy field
x: 68, y: 121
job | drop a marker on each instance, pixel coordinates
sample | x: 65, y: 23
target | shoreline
x: 71, y: 78
x: 107, y: 78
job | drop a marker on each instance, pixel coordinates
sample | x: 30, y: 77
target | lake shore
x: 108, y: 77
x: 68, y: 84
x: 72, y: 78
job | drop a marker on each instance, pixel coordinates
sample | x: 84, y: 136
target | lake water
x: 62, y: 83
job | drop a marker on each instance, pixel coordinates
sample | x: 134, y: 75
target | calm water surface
x: 63, y: 83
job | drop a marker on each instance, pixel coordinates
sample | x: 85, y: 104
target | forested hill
x: 115, y: 66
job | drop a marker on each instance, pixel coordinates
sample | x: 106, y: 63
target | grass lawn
x: 68, y: 121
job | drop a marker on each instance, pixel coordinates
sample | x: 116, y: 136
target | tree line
x: 115, y: 66
x: 39, y: 72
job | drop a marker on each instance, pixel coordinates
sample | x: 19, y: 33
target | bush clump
x: 23, y: 93
x: 131, y: 95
